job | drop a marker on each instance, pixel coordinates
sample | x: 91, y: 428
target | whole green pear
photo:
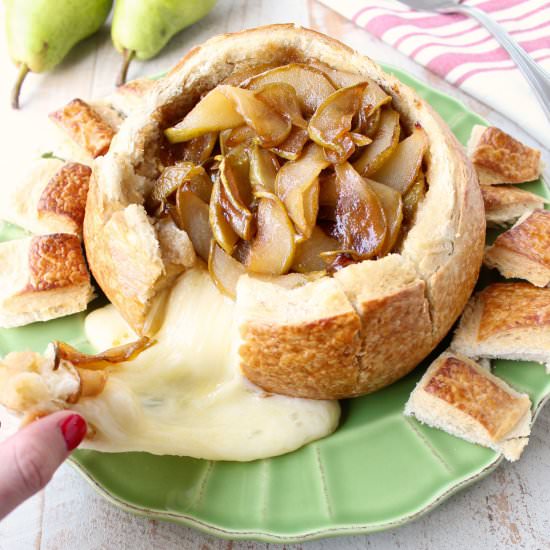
x: 40, y: 33
x: 141, y: 28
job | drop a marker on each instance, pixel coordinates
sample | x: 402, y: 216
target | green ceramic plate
x: 379, y: 469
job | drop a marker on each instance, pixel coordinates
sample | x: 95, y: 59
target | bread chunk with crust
x: 506, y: 321
x: 84, y: 126
x: 523, y: 251
x: 505, y: 204
x: 43, y: 277
x: 499, y: 158
x: 462, y: 398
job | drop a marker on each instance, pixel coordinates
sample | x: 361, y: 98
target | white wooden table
x: 509, y: 509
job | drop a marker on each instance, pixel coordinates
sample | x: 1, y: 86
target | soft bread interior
x: 434, y: 411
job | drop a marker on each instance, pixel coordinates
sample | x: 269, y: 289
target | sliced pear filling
x: 298, y: 168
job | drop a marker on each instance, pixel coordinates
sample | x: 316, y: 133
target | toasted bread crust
x: 524, y: 250
x: 473, y: 392
x: 505, y: 158
x: 65, y: 195
x: 84, y: 126
x: 403, y: 319
x: 56, y: 261
x: 325, y: 352
x: 447, y: 267
x: 504, y: 204
x: 511, y: 306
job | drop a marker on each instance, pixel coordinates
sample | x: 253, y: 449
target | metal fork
x: 537, y: 77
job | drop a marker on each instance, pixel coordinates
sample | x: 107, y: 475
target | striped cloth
x: 459, y: 49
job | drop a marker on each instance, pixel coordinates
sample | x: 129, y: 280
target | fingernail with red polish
x: 74, y: 429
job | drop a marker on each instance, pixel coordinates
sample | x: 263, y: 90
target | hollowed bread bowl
x: 325, y: 338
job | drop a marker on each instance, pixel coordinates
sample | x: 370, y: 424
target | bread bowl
x: 430, y: 272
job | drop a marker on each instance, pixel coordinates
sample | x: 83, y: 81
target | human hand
x: 29, y: 458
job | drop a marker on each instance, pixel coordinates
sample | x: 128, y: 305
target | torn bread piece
x: 49, y: 198
x: 505, y: 204
x: 36, y: 385
x: 42, y: 277
x: 86, y: 127
x: 506, y: 321
x: 523, y: 251
x: 462, y: 398
x: 499, y: 158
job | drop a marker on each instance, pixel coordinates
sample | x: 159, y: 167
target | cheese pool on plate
x: 185, y: 395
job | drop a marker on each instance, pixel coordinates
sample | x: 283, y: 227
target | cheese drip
x: 186, y: 396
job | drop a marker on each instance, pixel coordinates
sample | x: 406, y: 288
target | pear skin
x: 40, y: 33
x: 141, y: 29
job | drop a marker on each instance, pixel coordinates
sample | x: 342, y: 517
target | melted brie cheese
x: 186, y: 396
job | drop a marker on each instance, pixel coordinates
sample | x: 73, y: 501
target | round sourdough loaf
x: 328, y: 338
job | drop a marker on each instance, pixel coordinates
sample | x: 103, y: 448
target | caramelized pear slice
x: 263, y: 169
x: 403, y: 166
x: 282, y: 98
x: 344, y: 152
x: 221, y: 229
x: 374, y: 97
x: 360, y: 219
x: 370, y: 123
x: 271, y: 127
x: 297, y: 185
x: 213, y: 113
x: 112, y: 356
x: 238, y: 77
x: 359, y: 139
x: 412, y: 197
x: 224, y: 270
x: 330, y: 124
x: 292, y: 146
x: 183, y: 174
x: 328, y: 189
x: 383, y: 145
x: 272, y: 250
x: 199, y: 149
x: 235, y: 196
x: 237, y: 136
x: 311, y: 85
x: 307, y: 257
x: 192, y: 217
x: 392, y: 204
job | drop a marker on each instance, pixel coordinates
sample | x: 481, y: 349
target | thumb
x: 29, y: 458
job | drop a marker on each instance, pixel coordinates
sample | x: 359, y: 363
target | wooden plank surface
x: 509, y: 509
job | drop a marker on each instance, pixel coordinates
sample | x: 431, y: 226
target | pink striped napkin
x: 460, y: 50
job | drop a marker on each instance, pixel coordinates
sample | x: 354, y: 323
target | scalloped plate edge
x: 356, y: 529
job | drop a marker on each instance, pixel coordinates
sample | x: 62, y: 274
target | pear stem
x: 23, y: 71
x: 127, y: 56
